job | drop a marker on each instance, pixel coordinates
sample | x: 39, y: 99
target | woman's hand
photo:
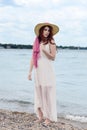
x: 51, y: 55
x: 42, y: 47
x: 29, y: 76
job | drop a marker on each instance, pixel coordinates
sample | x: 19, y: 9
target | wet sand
x: 13, y: 120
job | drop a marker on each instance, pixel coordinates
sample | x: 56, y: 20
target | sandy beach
x: 13, y: 120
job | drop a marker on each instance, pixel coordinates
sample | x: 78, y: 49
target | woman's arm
x: 30, y: 69
x: 51, y: 55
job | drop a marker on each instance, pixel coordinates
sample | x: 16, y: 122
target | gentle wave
x: 16, y: 101
x: 76, y: 118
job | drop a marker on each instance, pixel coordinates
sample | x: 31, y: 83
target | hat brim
x: 38, y: 26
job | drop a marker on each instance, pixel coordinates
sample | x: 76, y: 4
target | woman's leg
x: 38, y: 102
x: 40, y: 113
x: 47, y: 104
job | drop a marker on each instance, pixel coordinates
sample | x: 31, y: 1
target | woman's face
x: 46, y: 31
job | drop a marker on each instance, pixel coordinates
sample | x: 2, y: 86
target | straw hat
x: 38, y: 26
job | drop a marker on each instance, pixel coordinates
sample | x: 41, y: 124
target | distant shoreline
x: 19, y: 46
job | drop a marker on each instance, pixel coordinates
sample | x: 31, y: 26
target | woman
x: 44, y: 52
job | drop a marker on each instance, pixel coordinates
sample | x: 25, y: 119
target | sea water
x: 17, y: 92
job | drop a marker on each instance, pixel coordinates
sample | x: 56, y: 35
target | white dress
x: 45, y: 87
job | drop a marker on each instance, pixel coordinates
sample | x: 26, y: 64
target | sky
x: 19, y: 17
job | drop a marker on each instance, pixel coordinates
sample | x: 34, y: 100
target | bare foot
x: 47, y: 122
x: 39, y: 121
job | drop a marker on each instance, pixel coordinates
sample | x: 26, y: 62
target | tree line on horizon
x: 19, y: 46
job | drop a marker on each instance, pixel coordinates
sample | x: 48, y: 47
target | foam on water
x: 77, y: 118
